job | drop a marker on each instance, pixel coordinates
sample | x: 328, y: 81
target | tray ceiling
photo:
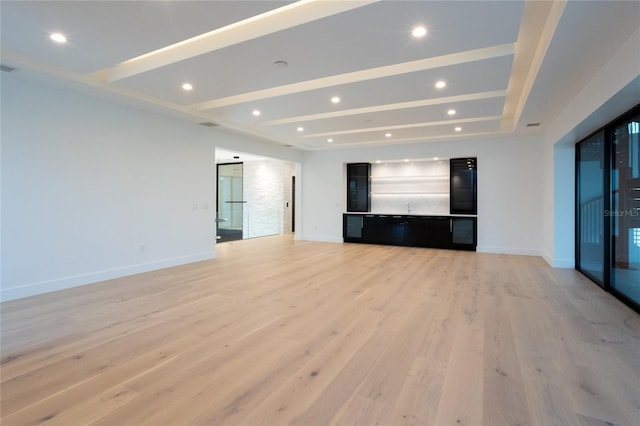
x: 505, y: 63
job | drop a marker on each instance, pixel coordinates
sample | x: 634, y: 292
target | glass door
x: 590, y: 217
x: 230, y: 204
x: 625, y: 208
x: 608, y: 207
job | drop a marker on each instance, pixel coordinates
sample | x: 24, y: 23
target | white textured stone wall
x: 265, y: 185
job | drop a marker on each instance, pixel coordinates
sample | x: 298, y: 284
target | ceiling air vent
x: 7, y: 68
x: 209, y: 124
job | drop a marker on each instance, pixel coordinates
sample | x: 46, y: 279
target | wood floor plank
x: 309, y: 382
x: 277, y: 331
x: 380, y: 389
x: 504, y: 392
x: 549, y: 404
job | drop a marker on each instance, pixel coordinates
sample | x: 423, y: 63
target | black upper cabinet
x: 463, y: 186
x: 358, y: 187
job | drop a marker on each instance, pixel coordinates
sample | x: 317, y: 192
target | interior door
x: 230, y: 204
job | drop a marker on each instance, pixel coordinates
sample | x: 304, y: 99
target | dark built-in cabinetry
x: 463, y: 191
x: 463, y: 186
x: 359, y: 187
x: 448, y: 232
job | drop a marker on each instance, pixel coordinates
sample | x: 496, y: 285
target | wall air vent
x: 209, y: 124
x: 7, y: 68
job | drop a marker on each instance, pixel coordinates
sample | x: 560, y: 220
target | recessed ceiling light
x: 280, y: 64
x: 329, y: 140
x: 335, y: 100
x: 256, y: 113
x: 458, y: 129
x: 388, y: 135
x: 58, y: 37
x: 300, y: 129
x: 187, y: 86
x: 451, y: 112
x: 419, y: 31
x: 440, y: 84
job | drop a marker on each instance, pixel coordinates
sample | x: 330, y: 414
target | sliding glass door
x: 608, y: 207
x: 590, y: 248
x: 625, y: 208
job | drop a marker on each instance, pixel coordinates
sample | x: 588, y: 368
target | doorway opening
x: 255, y: 196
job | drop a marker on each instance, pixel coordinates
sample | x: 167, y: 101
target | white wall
x: 93, y: 190
x: 509, y: 189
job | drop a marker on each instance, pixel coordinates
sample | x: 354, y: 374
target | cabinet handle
x: 450, y: 225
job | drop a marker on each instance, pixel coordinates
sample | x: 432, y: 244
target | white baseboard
x: 559, y: 263
x: 322, y: 238
x: 507, y: 250
x: 563, y: 263
x: 18, y: 292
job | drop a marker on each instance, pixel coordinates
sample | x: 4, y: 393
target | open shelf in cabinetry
x: 406, y: 178
x: 421, y: 183
x: 410, y: 193
x: 414, y: 186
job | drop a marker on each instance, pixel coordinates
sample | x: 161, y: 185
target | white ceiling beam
x: 406, y: 126
x: 539, y: 23
x: 285, y: 17
x: 390, y: 107
x: 436, y: 138
x: 368, y: 74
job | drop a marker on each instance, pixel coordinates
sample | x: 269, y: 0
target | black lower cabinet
x: 353, y: 227
x: 414, y: 231
x: 439, y: 232
x: 463, y: 232
x: 384, y: 229
x: 369, y: 228
x: 417, y: 232
x: 392, y: 230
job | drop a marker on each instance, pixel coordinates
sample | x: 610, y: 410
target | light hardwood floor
x: 278, y: 332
